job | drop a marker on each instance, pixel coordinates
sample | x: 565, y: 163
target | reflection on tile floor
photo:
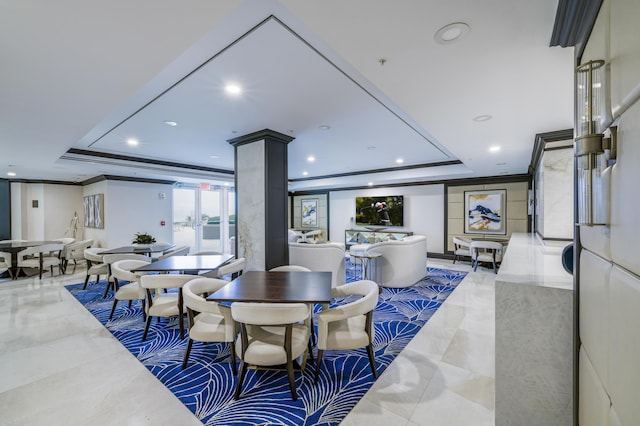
x: 58, y: 365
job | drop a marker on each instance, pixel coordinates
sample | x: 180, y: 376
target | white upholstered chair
x: 325, y: 257
x: 486, y: 251
x: 350, y: 325
x: 121, y: 271
x: 461, y: 248
x: 403, y: 262
x: 208, y: 321
x: 271, y: 334
x: 41, y: 257
x: 110, y: 259
x: 5, y: 263
x: 290, y: 268
x: 95, y: 265
x: 160, y: 304
x: 74, y: 252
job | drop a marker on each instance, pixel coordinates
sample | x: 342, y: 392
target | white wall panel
x: 594, y: 401
x: 594, y: 317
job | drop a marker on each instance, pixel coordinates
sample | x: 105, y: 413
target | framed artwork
x: 309, y: 218
x: 93, y: 206
x: 485, y: 212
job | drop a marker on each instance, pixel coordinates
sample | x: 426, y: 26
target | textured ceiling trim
x: 574, y: 22
x: 541, y: 140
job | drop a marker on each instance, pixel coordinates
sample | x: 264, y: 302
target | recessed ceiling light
x: 494, y: 148
x: 399, y: 161
x: 324, y: 127
x: 171, y: 123
x: 451, y: 33
x: 305, y: 173
x: 213, y: 156
x: 132, y: 142
x: 370, y: 184
x: 11, y: 173
x: 501, y: 164
x: 371, y: 148
x: 483, y: 117
x: 233, y: 89
x: 311, y: 159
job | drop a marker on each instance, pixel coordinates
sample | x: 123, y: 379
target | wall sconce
x: 592, y: 151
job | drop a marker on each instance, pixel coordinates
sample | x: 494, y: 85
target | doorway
x: 204, y: 217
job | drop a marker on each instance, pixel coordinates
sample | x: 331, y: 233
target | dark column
x: 261, y: 194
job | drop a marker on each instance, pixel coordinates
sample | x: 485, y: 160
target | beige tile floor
x: 60, y: 366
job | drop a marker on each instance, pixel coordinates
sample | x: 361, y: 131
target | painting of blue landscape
x: 485, y: 212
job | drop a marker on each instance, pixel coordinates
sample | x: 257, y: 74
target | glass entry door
x: 201, y: 218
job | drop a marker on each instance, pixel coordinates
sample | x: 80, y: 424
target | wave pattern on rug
x: 206, y: 386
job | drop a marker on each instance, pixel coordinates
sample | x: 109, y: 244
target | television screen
x: 379, y: 211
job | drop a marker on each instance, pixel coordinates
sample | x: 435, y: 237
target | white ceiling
x: 90, y: 75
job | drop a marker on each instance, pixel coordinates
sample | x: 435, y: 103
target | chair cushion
x: 164, y: 305
x: 130, y: 291
x: 208, y: 328
x: 348, y: 333
x: 266, y: 344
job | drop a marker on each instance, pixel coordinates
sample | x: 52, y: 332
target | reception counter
x: 534, y: 335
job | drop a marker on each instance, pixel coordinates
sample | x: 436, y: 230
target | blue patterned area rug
x: 206, y: 386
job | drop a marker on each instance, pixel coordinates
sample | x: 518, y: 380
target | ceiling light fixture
x: 483, y: 117
x: 399, y: 161
x: 305, y: 173
x: 451, y: 33
x: 132, y: 142
x: 370, y: 184
x: 213, y: 156
x: 311, y: 159
x: 171, y: 123
x: 324, y: 127
x: 233, y: 89
x: 11, y: 173
x: 494, y: 148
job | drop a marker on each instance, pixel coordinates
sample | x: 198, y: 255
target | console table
x: 364, y: 236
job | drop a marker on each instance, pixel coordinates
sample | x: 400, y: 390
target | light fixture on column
x: 591, y: 158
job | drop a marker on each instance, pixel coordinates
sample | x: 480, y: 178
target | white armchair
x: 325, y: 257
x: 486, y: 251
x: 5, y: 263
x: 403, y: 262
x: 461, y: 248
x: 349, y: 326
x: 41, y: 257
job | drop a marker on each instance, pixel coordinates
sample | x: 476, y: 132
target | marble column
x: 261, y: 194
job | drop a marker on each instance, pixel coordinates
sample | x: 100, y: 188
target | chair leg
x: 318, y: 362
x: 113, y: 307
x: 292, y: 380
x: 86, y: 281
x: 372, y: 360
x: 233, y: 358
x: 475, y: 265
x: 310, y: 349
x: 146, y: 328
x: 144, y: 310
x: 187, y: 351
x: 243, y: 372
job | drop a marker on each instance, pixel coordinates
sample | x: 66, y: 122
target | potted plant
x: 143, y: 239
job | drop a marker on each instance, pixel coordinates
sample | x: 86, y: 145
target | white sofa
x: 403, y: 262
x: 325, y: 257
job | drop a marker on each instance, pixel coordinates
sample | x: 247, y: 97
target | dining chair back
x: 486, y: 251
x: 208, y: 321
x: 290, y: 268
x: 40, y: 257
x: 121, y: 272
x: 271, y: 334
x: 349, y: 325
x: 161, y: 304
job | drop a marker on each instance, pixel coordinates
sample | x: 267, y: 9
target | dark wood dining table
x: 17, y: 246
x: 276, y: 287
x: 148, y: 250
x: 186, y: 263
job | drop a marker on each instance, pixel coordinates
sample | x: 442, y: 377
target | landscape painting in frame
x: 310, y: 213
x: 485, y: 212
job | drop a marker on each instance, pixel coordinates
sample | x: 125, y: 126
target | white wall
x: 557, y: 194
x: 609, y: 277
x: 423, y: 211
x: 60, y: 202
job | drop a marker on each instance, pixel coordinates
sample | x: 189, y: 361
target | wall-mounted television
x: 380, y: 212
